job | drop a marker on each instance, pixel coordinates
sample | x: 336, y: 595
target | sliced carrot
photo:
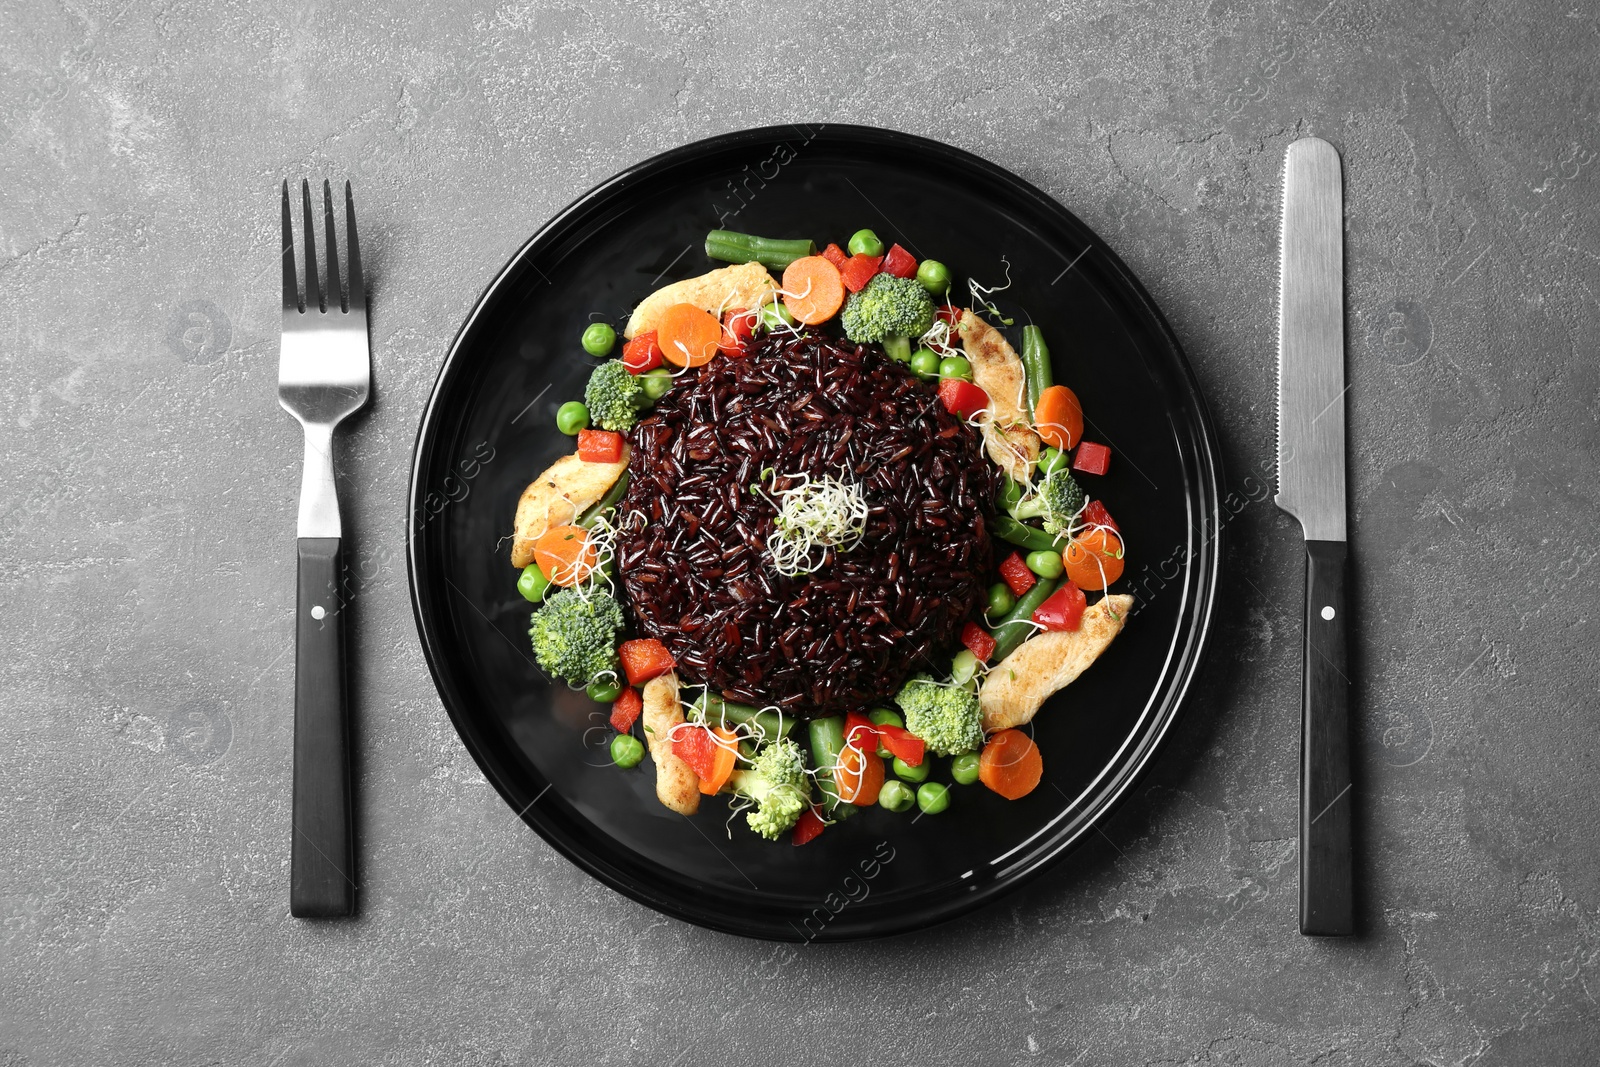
x: 688, y: 336
x: 812, y: 290
x: 1058, y: 417
x: 1094, y: 559
x: 860, y: 776
x: 1011, y: 764
x: 565, y: 555
x: 723, y: 753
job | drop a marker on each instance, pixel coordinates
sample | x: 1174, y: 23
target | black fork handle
x: 322, y: 856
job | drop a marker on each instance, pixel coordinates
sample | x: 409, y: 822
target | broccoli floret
x: 614, y: 397
x: 888, y: 307
x: 778, y: 784
x: 575, y: 637
x: 1055, y: 500
x: 946, y: 717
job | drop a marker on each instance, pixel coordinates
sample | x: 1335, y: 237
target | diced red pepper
x: 645, y: 658
x: 836, y: 255
x: 900, y: 263
x: 737, y: 329
x: 1095, y: 514
x: 599, y: 446
x: 978, y: 641
x: 642, y: 353
x: 1014, y: 571
x: 855, y: 722
x: 949, y: 314
x: 858, y: 271
x: 1091, y: 458
x: 902, y: 744
x: 695, y: 745
x: 1062, y: 610
x: 962, y: 399
x: 808, y: 826
x: 625, y: 710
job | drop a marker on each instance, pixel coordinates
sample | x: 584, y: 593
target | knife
x: 1311, y: 390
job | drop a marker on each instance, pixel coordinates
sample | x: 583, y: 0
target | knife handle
x: 322, y: 856
x: 1325, y: 801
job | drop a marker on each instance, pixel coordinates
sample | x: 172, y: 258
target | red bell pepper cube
x: 858, y: 271
x: 1091, y: 458
x: 642, y: 353
x: 625, y: 710
x: 902, y: 744
x: 978, y: 641
x: 695, y: 745
x: 808, y: 826
x: 737, y: 329
x: 599, y: 446
x: 645, y: 658
x: 1062, y: 610
x: 900, y: 263
x: 860, y: 732
x: 962, y: 399
x: 1014, y: 571
x: 836, y: 255
x: 1095, y: 514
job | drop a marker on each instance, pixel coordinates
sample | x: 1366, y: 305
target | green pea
x: 896, y: 796
x: 604, y: 690
x: 532, y: 583
x: 1045, y: 564
x: 656, y: 383
x: 955, y: 367
x: 572, y: 417
x: 904, y: 770
x: 865, y: 243
x: 1001, y: 599
x: 626, y: 750
x: 773, y: 316
x: 885, y: 717
x: 598, y: 339
x: 963, y: 667
x: 1052, y: 460
x: 933, y: 275
x: 964, y: 768
x: 925, y: 363
x: 933, y: 797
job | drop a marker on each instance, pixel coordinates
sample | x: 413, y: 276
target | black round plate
x: 489, y: 428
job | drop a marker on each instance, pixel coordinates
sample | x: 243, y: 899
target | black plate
x: 489, y: 428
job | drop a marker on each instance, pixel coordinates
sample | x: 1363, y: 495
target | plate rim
x: 1191, y: 649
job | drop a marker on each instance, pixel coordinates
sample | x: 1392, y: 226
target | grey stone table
x: 149, y: 479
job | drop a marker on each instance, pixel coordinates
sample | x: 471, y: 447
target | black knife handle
x: 1325, y: 801
x: 322, y: 856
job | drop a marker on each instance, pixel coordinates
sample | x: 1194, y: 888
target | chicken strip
x: 743, y: 287
x: 1018, y: 686
x: 676, y: 784
x: 558, y: 496
x: 997, y: 370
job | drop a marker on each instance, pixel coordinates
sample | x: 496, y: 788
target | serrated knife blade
x: 1311, y: 487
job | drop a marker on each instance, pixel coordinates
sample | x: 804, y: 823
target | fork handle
x: 322, y: 856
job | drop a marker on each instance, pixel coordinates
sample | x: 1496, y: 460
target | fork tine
x: 358, y: 285
x: 334, y: 285
x: 313, y: 290
x: 291, y: 285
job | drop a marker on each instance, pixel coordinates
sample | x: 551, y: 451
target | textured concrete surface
x: 149, y: 480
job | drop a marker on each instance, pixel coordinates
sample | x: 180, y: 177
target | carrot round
x: 565, y: 555
x: 1058, y: 417
x: 1011, y: 764
x: 723, y: 753
x: 859, y: 777
x: 688, y: 335
x: 1094, y: 559
x: 812, y: 290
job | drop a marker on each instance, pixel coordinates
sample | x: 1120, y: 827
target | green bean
x: 1008, y: 529
x: 598, y: 339
x: 626, y: 750
x: 1010, y: 494
x: 1035, y: 363
x: 964, y: 768
x: 1015, y: 627
x: 767, y: 725
x: 771, y: 252
x: 606, y: 503
x: 827, y: 742
x: 572, y: 417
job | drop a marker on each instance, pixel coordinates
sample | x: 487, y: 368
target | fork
x: 324, y: 375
